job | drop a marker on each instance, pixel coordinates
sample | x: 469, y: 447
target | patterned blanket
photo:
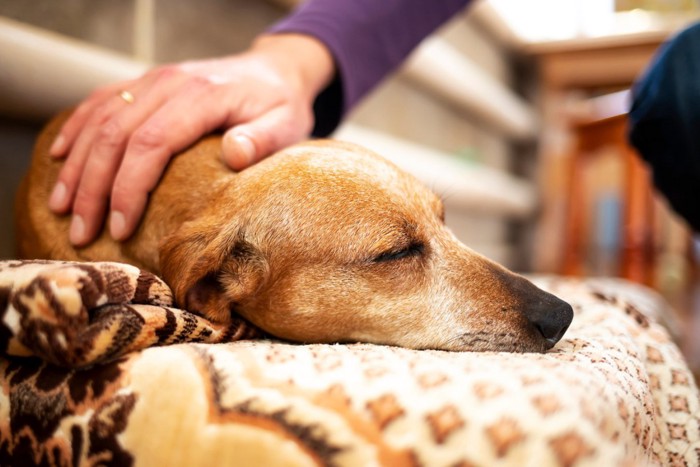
x: 78, y: 314
x: 615, y: 391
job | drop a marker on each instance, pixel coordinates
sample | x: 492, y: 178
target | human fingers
x: 71, y: 128
x: 83, y: 127
x: 196, y: 110
x: 78, y: 135
x: 245, y: 144
x: 63, y: 192
x: 106, y: 151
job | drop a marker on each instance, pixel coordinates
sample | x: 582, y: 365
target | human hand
x: 119, y: 140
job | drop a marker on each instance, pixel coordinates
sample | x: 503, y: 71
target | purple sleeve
x: 368, y: 40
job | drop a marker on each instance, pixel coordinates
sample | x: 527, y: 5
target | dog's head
x: 327, y: 242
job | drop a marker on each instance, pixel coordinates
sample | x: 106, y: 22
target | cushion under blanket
x: 615, y: 391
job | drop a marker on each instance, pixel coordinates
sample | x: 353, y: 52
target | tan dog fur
x: 322, y: 242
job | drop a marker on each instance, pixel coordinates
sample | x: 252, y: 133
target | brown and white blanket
x: 100, y: 369
x: 79, y: 314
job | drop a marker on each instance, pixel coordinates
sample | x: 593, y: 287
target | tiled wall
x: 184, y: 29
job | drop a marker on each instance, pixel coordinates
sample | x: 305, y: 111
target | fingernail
x: 246, y: 147
x: 117, y: 225
x: 77, y: 230
x: 58, y: 197
x: 58, y: 146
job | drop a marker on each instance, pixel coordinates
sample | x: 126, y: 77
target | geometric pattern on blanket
x: 76, y: 314
x: 615, y: 391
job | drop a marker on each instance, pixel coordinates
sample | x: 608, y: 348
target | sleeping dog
x: 322, y: 242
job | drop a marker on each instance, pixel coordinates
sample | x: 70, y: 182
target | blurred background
x: 514, y: 112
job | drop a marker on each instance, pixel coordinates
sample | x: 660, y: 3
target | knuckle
x: 100, y: 115
x: 111, y: 135
x: 147, y: 138
x: 197, y: 84
x: 119, y: 191
x: 125, y: 197
x: 86, y: 198
x: 297, y: 124
x: 70, y: 173
x: 164, y: 72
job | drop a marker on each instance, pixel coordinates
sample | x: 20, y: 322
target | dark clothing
x: 665, y: 122
x: 368, y: 39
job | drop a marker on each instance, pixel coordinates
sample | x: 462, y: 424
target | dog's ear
x: 213, y: 272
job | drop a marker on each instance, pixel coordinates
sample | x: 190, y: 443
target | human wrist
x: 301, y: 58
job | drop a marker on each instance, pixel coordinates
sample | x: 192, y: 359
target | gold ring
x: 127, y: 97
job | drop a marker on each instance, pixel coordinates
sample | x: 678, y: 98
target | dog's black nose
x: 551, y: 317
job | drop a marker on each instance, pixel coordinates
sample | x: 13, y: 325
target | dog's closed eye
x: 413, y: 249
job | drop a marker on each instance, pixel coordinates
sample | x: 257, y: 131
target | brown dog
x: 322, y: 242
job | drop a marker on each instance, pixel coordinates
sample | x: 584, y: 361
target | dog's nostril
x: 551, y: 335
x: 552, y: 319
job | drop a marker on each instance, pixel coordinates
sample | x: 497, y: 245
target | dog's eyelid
x: 415, y: 248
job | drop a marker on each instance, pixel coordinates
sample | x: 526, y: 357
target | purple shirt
x: 368, y: 40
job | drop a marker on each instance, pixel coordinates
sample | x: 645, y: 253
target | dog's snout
x: 551, y: 317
